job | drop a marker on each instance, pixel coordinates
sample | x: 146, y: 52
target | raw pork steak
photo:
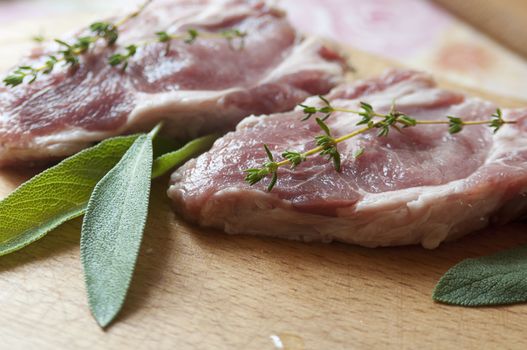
x: 419, y: 186
x: 197, y: 88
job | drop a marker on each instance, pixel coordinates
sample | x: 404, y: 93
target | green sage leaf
x: 491, y: 280
x: 61, y: 192
x: 113, y: 228
x: 168, y: 161
x: 56, y: 195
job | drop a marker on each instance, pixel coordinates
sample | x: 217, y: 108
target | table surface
x: 202, y: 289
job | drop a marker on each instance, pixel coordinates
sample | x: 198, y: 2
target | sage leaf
x: 61, y: 192
x: 169, y: 160
x: 491, y: 280
x: 56, y: 195
x: 112, y: 230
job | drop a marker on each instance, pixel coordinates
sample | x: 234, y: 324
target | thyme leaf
x: 192, y: 36
x: 497, y: 120
x: 294, y: 157
x: 327, y: 144
x: 122, y: 59
x: 255, y: 175
x: 455, y: 125
x: 358, y: 153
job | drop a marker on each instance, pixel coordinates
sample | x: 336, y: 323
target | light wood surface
x: 503, y: 20
x: 202, y: 289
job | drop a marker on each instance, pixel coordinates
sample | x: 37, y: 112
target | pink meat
x: 422, y: 185
x: 197, y: 88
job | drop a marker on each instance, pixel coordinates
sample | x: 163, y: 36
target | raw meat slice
x: 419, y: 186
x: 209, y: 85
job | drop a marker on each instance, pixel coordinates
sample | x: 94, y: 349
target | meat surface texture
x: 422, y: 185
x: 206, y: 86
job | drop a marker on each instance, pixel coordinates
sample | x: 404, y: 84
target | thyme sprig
x: 327, y: 145
x: 69, y: 53
x: 269, y: 168
x: 189, y: 37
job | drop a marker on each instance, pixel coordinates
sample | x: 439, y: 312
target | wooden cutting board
x: 503, y: 20
x: 202, y: 289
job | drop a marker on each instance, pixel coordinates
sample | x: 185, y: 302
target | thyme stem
x: 475, y: 122
x: 375, y: 114
x: 352, y: 111
x: 318, y: 149
x: 133, y: 14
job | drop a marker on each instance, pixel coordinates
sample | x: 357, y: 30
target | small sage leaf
x: 491, y: 280
x: 168, y: 161
x: 113, y: 228
x: 56, y: 195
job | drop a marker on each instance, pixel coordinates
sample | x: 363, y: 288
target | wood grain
x: 202, y: 289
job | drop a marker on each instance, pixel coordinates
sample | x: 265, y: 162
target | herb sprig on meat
x: 69, y: 53
x: 327, y: 144
x: 189, y: 37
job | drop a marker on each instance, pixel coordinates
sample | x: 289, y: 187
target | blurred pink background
x: 416, y: 33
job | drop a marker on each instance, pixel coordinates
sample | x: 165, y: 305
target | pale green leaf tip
x: 153, y: 133
x: 104, y: 319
